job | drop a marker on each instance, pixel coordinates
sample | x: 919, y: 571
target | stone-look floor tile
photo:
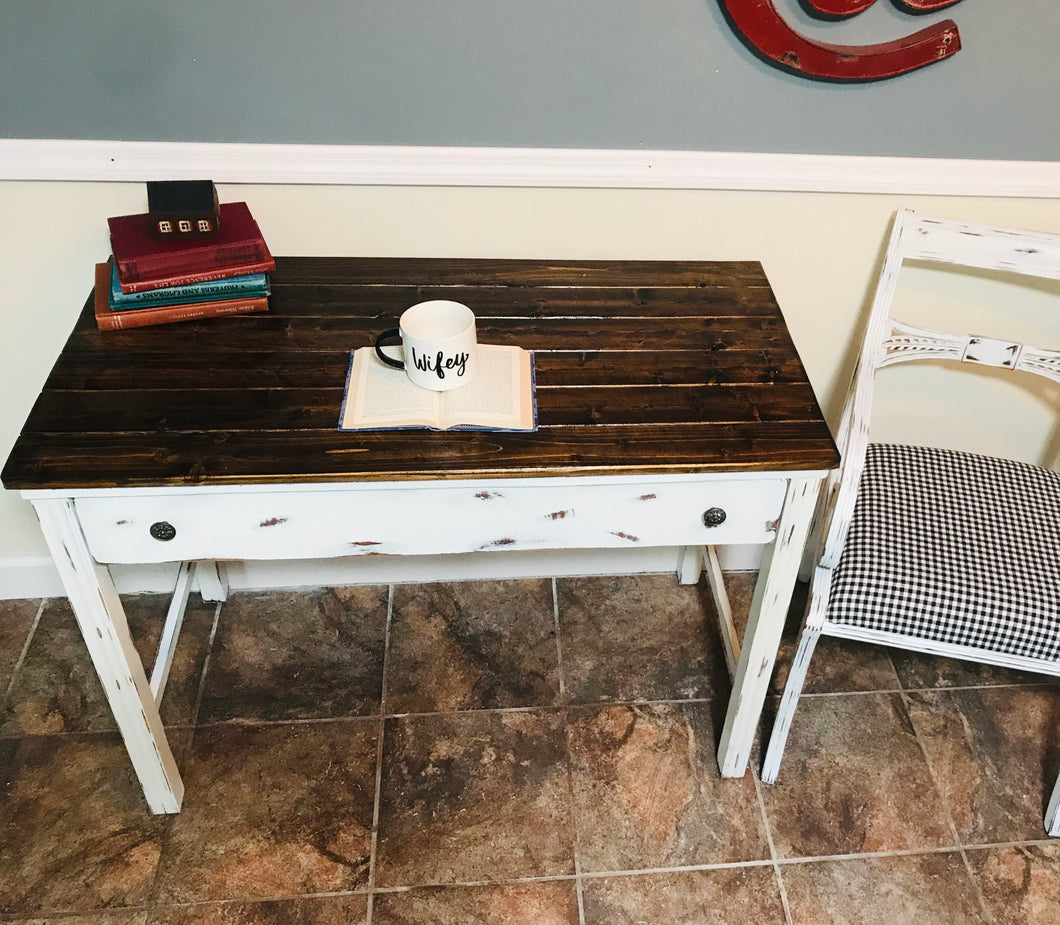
x: 921, y: 889
x: 854, y: 780
x: 641, y: 637
x: 306, y: 655
x: 648, y: 792
x: 351, y: 909
x: 472, y: 645
x: 839, y: 666
x: 75, y: 831
x: 272, y: 812
x: 993, y: 752
x: 539, y: 903
x: 918, y: 671
x: 57, y: 690
x: 473, y: 797
x: 16, y: 620
x: 694, y: 897
x: 1020, y: 884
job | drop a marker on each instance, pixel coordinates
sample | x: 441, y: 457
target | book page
x: 500, y: 395
x: 381, y: 396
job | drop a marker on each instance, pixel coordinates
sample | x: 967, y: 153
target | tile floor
x: 530, y: 751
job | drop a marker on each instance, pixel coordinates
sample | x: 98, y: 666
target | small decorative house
x: 183, y: 208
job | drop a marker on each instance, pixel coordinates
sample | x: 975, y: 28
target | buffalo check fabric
x: 956, y: 548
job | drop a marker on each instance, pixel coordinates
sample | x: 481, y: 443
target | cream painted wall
x: 820, y: 251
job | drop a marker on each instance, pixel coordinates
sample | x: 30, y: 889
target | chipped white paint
x: 769, y: 608
x: 730, y: 638
x: 426, y: 519
x: 889, y: 341
x: 906, y: 342
x: 102, y: 622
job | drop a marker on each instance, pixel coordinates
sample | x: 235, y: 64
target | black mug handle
x: 388, y: 335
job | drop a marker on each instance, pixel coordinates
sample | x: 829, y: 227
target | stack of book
x: 150, y: 280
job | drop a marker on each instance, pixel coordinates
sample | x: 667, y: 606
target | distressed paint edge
x: 372, y: 165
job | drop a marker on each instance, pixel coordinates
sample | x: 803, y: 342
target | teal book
x: 235, y: 287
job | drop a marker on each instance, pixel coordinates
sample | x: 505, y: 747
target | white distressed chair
x: 944, y: 552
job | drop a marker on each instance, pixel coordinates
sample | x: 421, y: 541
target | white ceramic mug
x: 438, y: 341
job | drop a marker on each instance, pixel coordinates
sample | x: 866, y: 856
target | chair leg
x: 809, y: 633
x: 1052, y: 815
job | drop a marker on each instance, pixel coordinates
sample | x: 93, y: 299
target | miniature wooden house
x: 183, y: 208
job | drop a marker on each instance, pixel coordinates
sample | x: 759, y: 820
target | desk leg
x: 769, y: 609
x: 212, y: 580
x: 102, y: 621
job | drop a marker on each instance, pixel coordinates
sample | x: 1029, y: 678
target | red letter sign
x: 761, y: 25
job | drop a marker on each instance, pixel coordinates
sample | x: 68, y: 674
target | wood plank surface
x: 642, y: 366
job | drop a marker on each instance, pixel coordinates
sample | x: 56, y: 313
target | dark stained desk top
x: 642, y: 367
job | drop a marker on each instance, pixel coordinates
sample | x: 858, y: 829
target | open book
x: 500, y: 397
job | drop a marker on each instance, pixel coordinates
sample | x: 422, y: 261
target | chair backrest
x: 889, y: 340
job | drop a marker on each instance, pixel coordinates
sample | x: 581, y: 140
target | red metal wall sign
x: 759, y: 23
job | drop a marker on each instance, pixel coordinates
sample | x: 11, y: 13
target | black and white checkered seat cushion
x: 956, y: 548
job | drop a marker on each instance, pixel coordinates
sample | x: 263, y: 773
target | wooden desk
x: 665, y: 390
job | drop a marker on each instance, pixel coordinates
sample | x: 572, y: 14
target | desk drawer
x: 427, y: 518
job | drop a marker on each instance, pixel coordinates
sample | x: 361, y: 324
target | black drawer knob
x: 163, y: 530
x: 713, y: 517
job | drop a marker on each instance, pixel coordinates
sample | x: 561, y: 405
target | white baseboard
x: 25, y: 577
x: 410, y: 165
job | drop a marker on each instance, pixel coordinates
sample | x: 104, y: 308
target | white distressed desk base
x: 85, y: 529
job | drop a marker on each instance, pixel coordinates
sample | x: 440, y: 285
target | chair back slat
x: 908, y: 342
x: 1029, y: 252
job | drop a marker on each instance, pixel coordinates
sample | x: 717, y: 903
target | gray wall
x: 653, y: 74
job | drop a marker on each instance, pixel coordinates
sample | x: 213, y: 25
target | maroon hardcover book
x: 143, y: 258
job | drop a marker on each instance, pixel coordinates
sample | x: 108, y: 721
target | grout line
x: 205, y: 668
x: 677, y: 868
x: 575, y: 828
x: 559, y: 642
x: 896, y: 853
x: 575, y: 833
x: 25, y: 650
x: 1044, y: 682
x: 464, y: 884
x: 772, y: 848
x: 541, y: 708
x: 373, y: 853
